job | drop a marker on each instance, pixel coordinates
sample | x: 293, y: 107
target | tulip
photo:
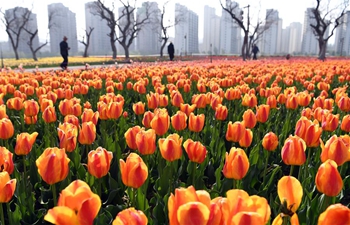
x: 147, y: 118
x: 130, y: 216
x: 293, y: 151
x: 146, y: 141
x: 6, y: 161
x: 99, y: 162
x: 130, y: 137
x: 134, y: 171
x: 44, y: 103
x: 6, y: 129
x: 221, y: 112
x: 115, y: 109
x: 178, y: 121
x: 303, y: 98
x: 72, y: 120
x: 152, y: 100
x: 196, y: 123
x: 176, y: 99
x: 195, y: 150
x: 270, y: 141
x: 335, y: 214
x: 163, y: 100
x: 291, y: 101
x: 247, y: 218
x: 15, y: 103
x: 30, y: 120
x: 138, y: 108
x: 31, y: 107
x: 328, y: 180
x: 199, y: 100
x: 90, y: 115
x: 344, y: 104
x: 62, y: 215
x: 262, y: 113
x: 236, y: 164
x: 193, y: 213
x: 271, y: 101
x: 170, y: 147
x: 160, y: 122
x: 87, y: 134
x: 309, y: 131
x: 68, y: 137
x: 330, y: 122
x: 307, y: 112
x: 289, y: 190
x: 294, y: 220
x: 65, y: 107
x: 53, y: 165
x: 233, y: 94
x: 7, y: 187
x: 249, y: 100
x: 102, y: 110
x: 188, y: 109
x: 246, y: 139
x: 24, y: 143
x: 235, y: 131
x: 3, y: 111
x: 345, y: 124
x: 336, y: 149
x: 249, y: 118
x: 49, y: 115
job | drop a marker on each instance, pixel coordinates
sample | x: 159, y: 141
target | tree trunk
x: 34, y: 56
x: 85, y: 51
x: 323, y: 47
x: 245, y: 46
x: 16, y: 54
x: 114, y: 49
x: 126, y: 50
x: 163, y: 46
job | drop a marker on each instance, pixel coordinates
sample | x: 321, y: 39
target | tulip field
x: 226, y: 142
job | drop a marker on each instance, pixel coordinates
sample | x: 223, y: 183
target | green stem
x: 291, y: 170
x: 24, y: 171
x: 194, y: 174
x: 307, y: 163
x: 327, y: 201
x: 2, y: 214
x: 265, y: 169
x: 54, y: 194
x: 286, y: 220
x: 234, y: 184
x: 99, y: 187
x: 134, y: 193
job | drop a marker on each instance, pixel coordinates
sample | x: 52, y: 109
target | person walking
x: 255, y: 52
x: 171, y: 51
x: 64, y: 52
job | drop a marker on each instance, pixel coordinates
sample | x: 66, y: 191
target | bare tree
x: 15, y: 20
x: 322, y: 19
x: 32, y: 36
x: 164, y: 37
x: 87, y: 43
x: 98, y: 8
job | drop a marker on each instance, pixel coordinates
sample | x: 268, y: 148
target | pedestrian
x: 255, y: 51
x: 64, y: 52
x: 171, y: 51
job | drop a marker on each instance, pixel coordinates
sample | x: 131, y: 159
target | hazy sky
x: 289, y: 10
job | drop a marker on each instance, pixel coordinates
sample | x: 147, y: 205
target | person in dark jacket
x: 171, y: 51
x: 255, y: 51
x: 64, y: 52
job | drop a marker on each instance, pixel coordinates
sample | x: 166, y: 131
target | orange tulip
x: 62, y: 215
x: 291, y: 101
x: 3, y: 112
x: 307, y: 112
x: 130, y: 216
x: 344, y: 104
x: 336, y: 149
x: 24, y: 143
x: 193, y: 213
x: 15, y: 103
x: 270, y: 141
x: 330, y: 122
x: 345, y: 124
x: 90, y: 115
x: 236, y: 164
x: 134, y: 171
x: 146, y: 141
x: 49, y: 115
x: 170, y: 147
x: 65, y: 107
x: 147, y: 118
x: 246, y: 139
x: 71, y: 119
x: 176, y: 99
x: 138, y: 108
x: 178, y: 121
x: 328, y: 180
x: 309, y: 131
x: 249, y: 118
x: 67, y: 134
x: 30, y: 120
x: 44, y: 103
x: 199, y: 100
x: 160, y: 122
x: 262, y: 113
x: 235, y: 131
x: 195, y: 150
x: 196, y: 123
x: 53, y: 165
x: 289, y: 190
x: 249, y: 100
x: 294, y: 220
x: 99, y: 162
x: 115, y: 109
x: 188, y: 109
x: 130, y: 137
x: 7, y: 187
x: 102, y: 110
x: 221, y: 112
x: 6, y: 161
x: 152, y: 100
x: 6, y: 129
x: 163, y: 100
x: 303, y: 98
x: 87, y: 134
x: 247, y: 218
x: 293, y: 151
x: 335, y: 214
x: 233, y: 94
x: 271, y: 101
x: 31, y: 107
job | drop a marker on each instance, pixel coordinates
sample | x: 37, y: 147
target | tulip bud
x: 99, y: 162
x: 236, y: 164
x: 328, y: 180
x: 134, y: 171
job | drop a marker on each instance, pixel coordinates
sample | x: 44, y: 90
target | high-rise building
x: 31, y: 25
x: 211, y: 39
x: 309, y: 42
x: 99, y: 40
x: 272, y: 37
x: 342, y: 36
x: 295, y: 36
x: 123, y: 21
x: 148, y: 40
x: 230, y: 32
x: 186, y: 33
x: 62, y: 23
